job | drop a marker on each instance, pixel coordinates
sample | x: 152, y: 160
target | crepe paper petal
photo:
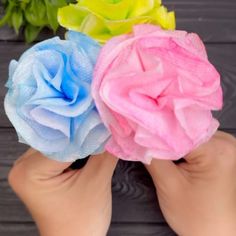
x: 49, y: 99
x: 103, y: 19
x: 155, y: 90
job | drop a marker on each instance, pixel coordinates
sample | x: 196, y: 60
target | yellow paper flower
x: 103, y: 19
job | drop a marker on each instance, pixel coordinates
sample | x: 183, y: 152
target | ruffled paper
x: 155, y: 90
x: 103, y: 19
x: 49, y: 99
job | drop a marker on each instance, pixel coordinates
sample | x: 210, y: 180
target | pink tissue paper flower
x: 155, y: 90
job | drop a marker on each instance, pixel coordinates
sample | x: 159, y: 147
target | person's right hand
x: 198, y: 197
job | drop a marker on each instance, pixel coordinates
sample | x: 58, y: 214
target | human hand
x: 62, y: 201
x: 198, y: 197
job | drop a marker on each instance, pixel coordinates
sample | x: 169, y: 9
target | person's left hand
x: 62, y: 201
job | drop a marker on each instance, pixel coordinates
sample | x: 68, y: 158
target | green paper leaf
x: 24, y: 3
x: 58, y: 3
x: 31, y: 33
x: 7, y: 17
x: 36, y: 13
x: 52, y: 9
x: 17, y: 20
x: 52, y: 15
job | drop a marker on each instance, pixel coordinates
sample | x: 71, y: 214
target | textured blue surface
x: 49, y: 100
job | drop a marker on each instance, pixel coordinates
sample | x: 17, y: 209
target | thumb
x: 165, y: 174
x: 102, y: 165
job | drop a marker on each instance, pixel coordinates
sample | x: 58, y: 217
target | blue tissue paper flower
x: 49, y: 99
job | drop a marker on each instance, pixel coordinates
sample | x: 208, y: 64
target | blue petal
x: 51, y: 120
x: 83, y: 102
x: 28, y: 133
x: 90, y: 46
x: 44, y: 88
x: 46, y: 44
x: 90, y: 138
x: 12, y: 68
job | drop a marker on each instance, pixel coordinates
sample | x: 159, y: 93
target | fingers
x: 39, y: 165
x: 165, y: 174
x: 224, y: 135
x: 220, y: 143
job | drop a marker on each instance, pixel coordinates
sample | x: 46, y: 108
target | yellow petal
x: 112, y: 11
x: 72, y: 16
x: 141, y: 7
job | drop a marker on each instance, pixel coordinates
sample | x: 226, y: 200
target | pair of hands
x: 197, y: 197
